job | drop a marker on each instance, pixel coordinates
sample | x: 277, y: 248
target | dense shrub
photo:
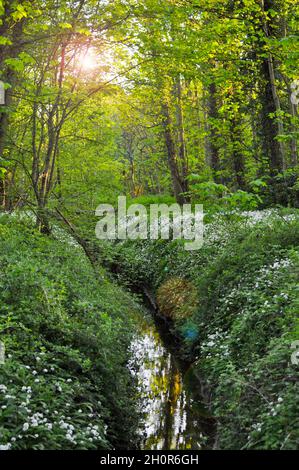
x: 239, y: 336
x: 66, y: 331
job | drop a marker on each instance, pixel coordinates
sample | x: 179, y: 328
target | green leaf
x: 5, y: 41
x: 65, y: 25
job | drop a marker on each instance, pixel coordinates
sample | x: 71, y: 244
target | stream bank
x: 234, y: 307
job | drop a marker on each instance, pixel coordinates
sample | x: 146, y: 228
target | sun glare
x: 88, y: 61
x: 91, y: 61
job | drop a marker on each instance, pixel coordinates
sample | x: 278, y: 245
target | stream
x: 172, y: 418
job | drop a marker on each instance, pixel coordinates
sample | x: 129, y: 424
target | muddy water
x: 173, y: 418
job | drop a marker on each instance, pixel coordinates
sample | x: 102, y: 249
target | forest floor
x: 221, y: 377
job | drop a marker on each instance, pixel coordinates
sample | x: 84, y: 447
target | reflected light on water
x: 169, y: 419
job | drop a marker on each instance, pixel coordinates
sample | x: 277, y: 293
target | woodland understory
x: 161, y: 101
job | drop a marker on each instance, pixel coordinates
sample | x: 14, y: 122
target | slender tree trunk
x: 237, y: 154
x: 294, y: 146
x: 276, y: 102
x: 211, y: 146
x: 183, y: 157
x: 207, y: 140
x: 129, y: 147
x: 199, y: 144
x: 178, y: 188
x: 45, y: 181
x: 271, y: 128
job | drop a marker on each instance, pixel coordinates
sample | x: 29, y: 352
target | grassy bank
x: 234, y: 305
x: 66, y: 331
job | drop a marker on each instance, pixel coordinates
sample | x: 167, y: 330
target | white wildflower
x: 5, y: 447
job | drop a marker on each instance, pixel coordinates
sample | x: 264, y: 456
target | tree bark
x: 272, y: 127
x: 211, y: 146
x: 294, y: 146
x: 182, y: 151
x: 9, y: 76
x: 238, y: 161
x: 178, y: 188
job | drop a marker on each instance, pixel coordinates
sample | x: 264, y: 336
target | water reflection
x: 171, y: 419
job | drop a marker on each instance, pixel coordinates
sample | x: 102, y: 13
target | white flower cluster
x: 257, y: 427
x: 229, y: 298
x: 64, y: 237
x: 49, y: 421
x: 69, y: 429
x: 37, y: 419
x: 216, y: 341
x: 259, y: 216
x: 216, y: 232
x: 267, y: 215
x: 5, y: 447
x: 273, y: 411
x: 93, y: 431
x: 275, y: 407
x: 264, y: 277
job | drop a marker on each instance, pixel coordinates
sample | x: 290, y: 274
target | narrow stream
x: 172, y: 418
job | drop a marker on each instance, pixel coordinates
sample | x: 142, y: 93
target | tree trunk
x: 294, y: 146
x: 183, y: 157
x: 272, y: 127
x: 9, y: 76
x: 237, y: 154
x: 178, y: 188
x: 211, y: 146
